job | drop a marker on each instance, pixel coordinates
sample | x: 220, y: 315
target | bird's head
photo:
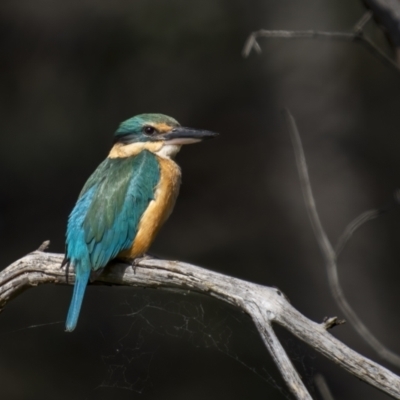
x: 157, y: 133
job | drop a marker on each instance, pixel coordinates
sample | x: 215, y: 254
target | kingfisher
x: 126, y: 200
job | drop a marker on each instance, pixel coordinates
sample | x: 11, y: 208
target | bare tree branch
x: 327, y: 250
x: 265, y: 305
x: 276, y: 350
x: 355, y: 36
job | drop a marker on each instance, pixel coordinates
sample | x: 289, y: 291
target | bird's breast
x: 159, y: 208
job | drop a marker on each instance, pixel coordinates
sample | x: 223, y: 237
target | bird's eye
x: 149, y: 130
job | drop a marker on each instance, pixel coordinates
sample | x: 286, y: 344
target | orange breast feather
x: 158, y: 210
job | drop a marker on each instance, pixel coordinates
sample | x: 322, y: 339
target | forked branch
x: 356, y: 36
x: 329, y: 253
x: 263, y: 304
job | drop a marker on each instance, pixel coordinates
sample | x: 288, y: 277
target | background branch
x: 329, y: 254
x: 354, y: 225
x: 323, y: 388
x: 264, y: 304
x: 355, y: 36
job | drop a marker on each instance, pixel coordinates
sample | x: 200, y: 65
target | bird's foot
x: 134, y: 262
x: 147, y: 256
x: 143, y: 257
x: 66, y: 263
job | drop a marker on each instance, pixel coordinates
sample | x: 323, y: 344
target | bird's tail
x: 82, y: 278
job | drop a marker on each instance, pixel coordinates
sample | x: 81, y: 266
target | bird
x: 126, y: 200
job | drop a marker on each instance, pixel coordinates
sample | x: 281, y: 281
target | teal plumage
x: 126, y: 200
x: 105, y: 219
x: 136, y: 124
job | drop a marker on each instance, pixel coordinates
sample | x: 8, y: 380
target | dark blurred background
x: 70, y: 72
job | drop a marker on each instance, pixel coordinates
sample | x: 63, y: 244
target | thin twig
x: 359, y: 26
x: 305, y: 183
x: 265, y: 305
x: 327, y: 250
x: 353, y: 226
x: 357, y: 36
x: 331, y: 322
x: 44, y: 246
x: 323, y: 388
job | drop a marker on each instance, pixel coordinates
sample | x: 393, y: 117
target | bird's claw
x: 136, y: 261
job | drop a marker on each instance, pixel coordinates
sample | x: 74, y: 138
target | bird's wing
x: 105, y: 219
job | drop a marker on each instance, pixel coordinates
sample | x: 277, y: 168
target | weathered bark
x: 265, y: 306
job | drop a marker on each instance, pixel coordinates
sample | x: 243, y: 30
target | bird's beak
x: 182, y: 135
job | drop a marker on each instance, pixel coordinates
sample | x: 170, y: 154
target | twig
x: 362, y: 219
x: 359, y: 26
x: 353, y: 226
x: 327, y: 250
x: 356, y: 36
x: 265, y: 305
x: 305, y: 184
x: 44, y: 246
x: 331, y: 322
x: 323, y: 387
